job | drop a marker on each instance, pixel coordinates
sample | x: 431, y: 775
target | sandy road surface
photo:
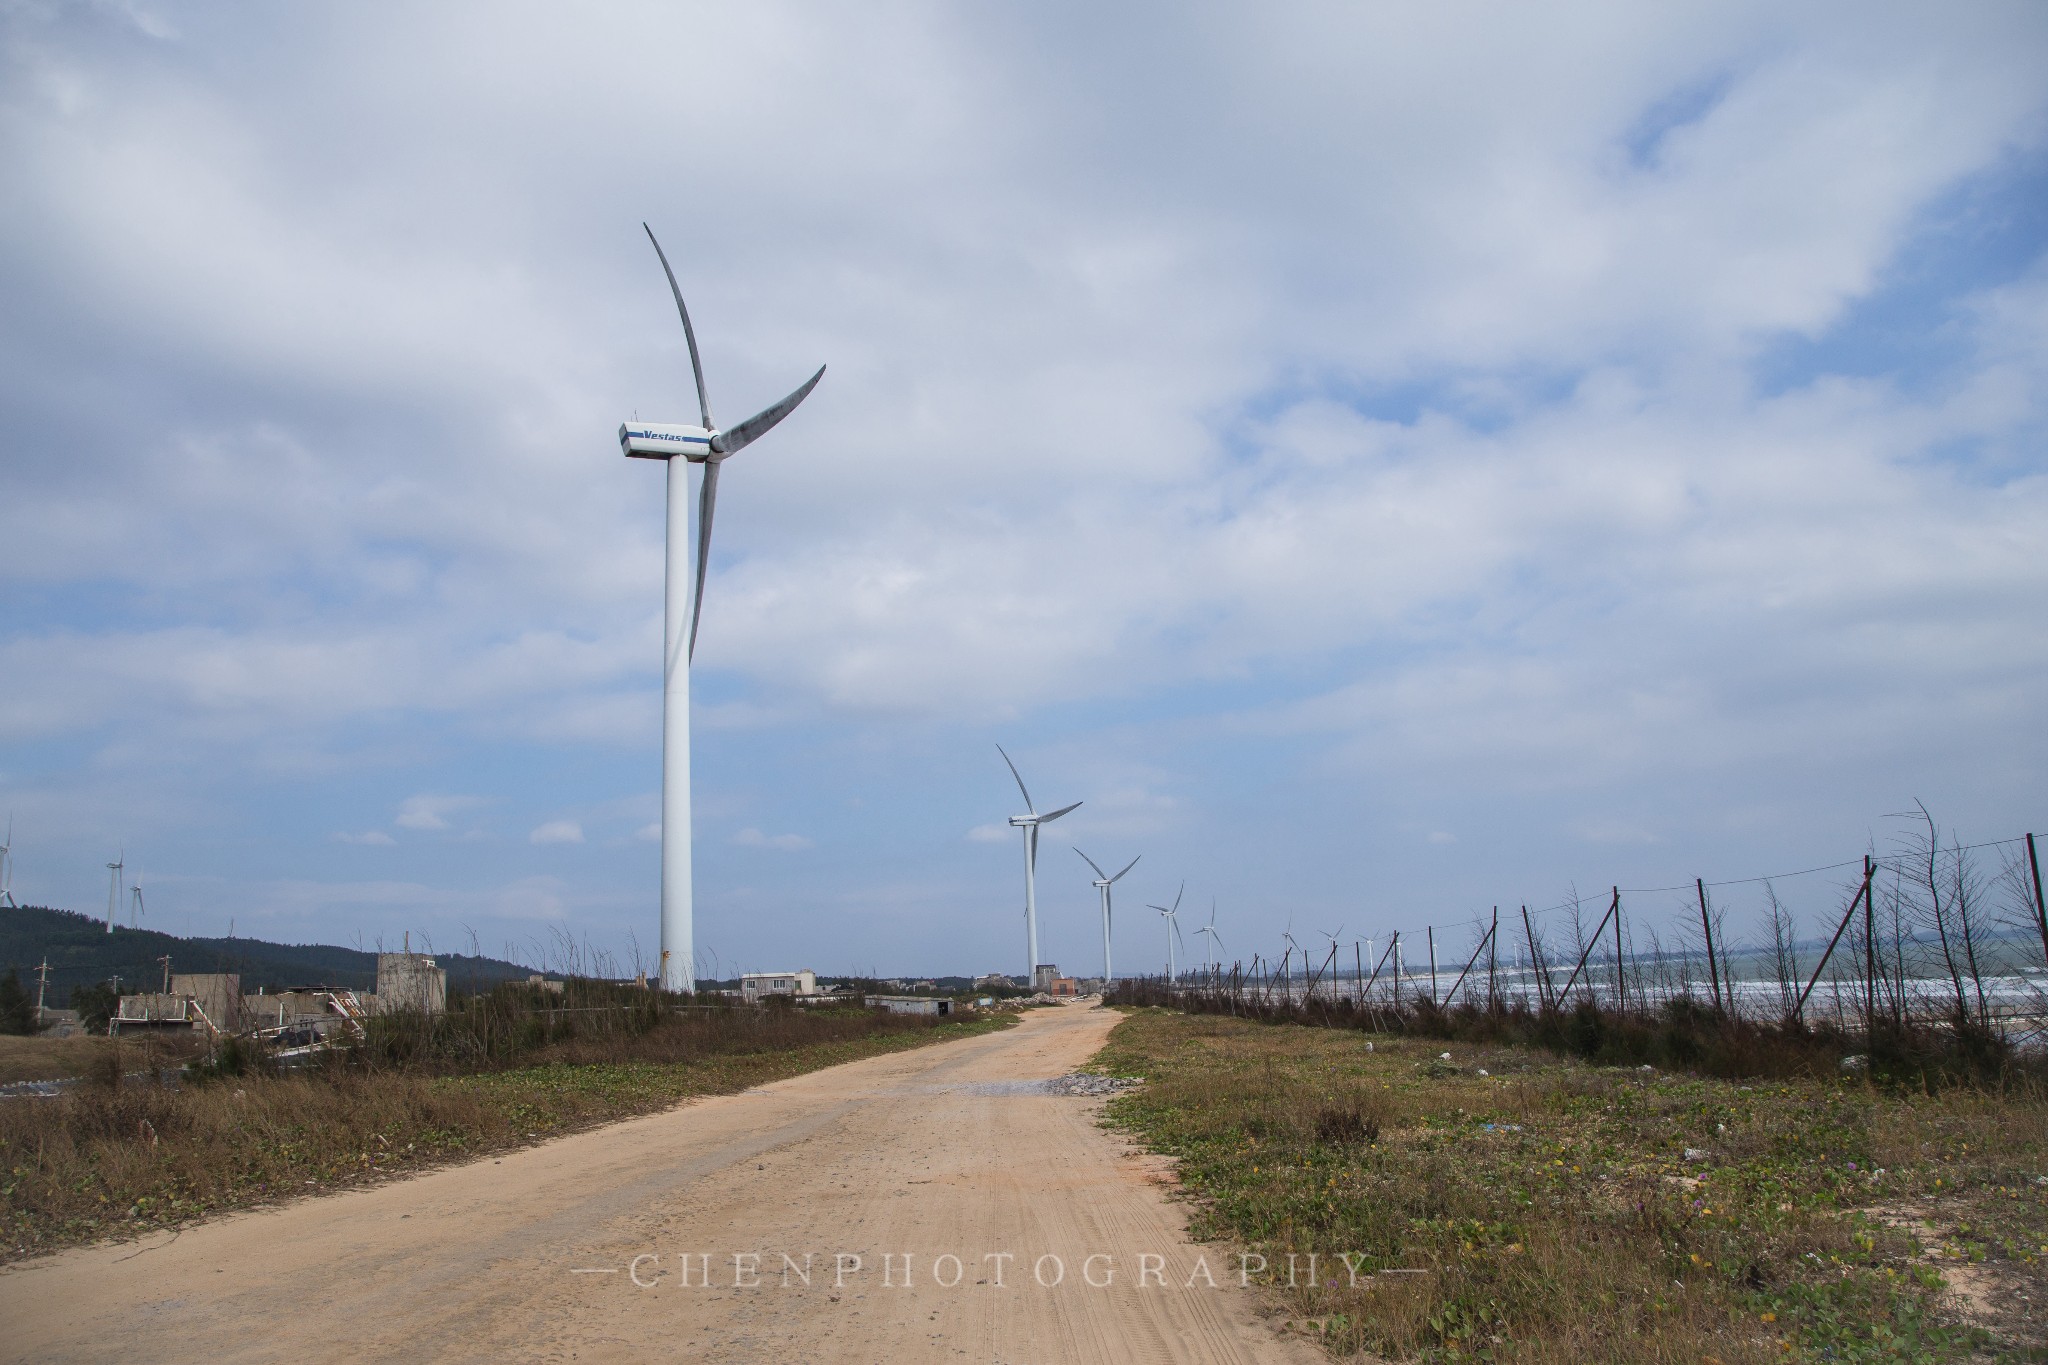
x: 574, y: 1250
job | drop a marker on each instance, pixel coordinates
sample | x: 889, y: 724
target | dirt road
x: 1026, y: 1235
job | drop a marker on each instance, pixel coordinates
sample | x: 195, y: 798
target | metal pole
x: 678, y: 950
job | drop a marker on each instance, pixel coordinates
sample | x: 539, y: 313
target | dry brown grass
x: 112, y: 1160
x: 49, y: 1059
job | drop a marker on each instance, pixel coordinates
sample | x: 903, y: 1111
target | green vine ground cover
x: 1503, y: 1204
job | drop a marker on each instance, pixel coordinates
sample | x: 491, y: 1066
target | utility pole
x: 42, y: 986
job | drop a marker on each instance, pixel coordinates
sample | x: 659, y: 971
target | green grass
x: 1554, y: 1215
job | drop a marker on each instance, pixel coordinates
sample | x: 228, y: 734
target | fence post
x: 1869, y: 951
x: 1591, y: 944
x: 2040, y: 906
x: 1536, y: 966
x: 1431, y: 929
x: 1707, y: 927
x: 1492, y: 959
x: 1799, y: 1010
x: 1620, y: 981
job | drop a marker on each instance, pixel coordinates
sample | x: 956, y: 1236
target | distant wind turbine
x: 1215, y: 939
x: 681, y: 447
x: 1102, y: 884
x: 1171, y: 914
x: 1029, y: 823
x: 7, y: 868
x: 114, y: 888
x: 136, y: 909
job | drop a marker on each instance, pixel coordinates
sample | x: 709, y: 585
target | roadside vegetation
x: 1508, y: 1203
x: 121, y: 1153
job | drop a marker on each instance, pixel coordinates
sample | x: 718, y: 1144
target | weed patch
x: 1556, y: 1211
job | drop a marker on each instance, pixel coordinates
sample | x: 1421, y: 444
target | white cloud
x: 430, y: 812
x: 650, y: 834
x: 557, y: 832
x: 754, y: 838
x: 376, y: 837
x: 1443, y: 459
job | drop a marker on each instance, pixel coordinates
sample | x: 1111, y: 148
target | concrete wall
x: 218, y: 994
x: 410, y: 981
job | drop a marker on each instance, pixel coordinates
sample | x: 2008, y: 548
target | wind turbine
x: 1102, y: 884
x: 1172, y: 927
x: 1029, y: 823
x: 1332, y: 958
x: 7, y: 869
x: 1215, y: 939
x: 682, y: 446
x: 136, y: 909
x: 114, y: 888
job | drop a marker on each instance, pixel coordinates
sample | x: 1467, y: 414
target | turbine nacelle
x: 657, y: 441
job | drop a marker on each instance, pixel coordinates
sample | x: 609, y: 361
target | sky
x: 1386, y: 461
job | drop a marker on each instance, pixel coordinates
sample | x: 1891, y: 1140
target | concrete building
x: 410, y: 981
x: 1043, y: 976
x: 911, y: 1004
x: 756, y: 986
x: 197, y: 1000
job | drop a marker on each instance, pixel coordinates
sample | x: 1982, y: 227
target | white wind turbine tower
x: 114, y: 888
x: 1102, y: 884
x: 705, y: 446
x: 1215, y: 939
x: 1171, y: 914
x: 7, y: 868
x: 136, y: 909
x: 1029, y: 823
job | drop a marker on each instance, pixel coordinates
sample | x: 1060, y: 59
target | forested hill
x: 81, y: 952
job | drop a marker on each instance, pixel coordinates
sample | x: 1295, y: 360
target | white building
x: 759, y: 985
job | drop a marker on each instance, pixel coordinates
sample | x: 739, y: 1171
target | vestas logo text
x: 666, y: 436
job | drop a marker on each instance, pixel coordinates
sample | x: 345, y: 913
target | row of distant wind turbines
x: 116, y: 872
x: 1030, y: 822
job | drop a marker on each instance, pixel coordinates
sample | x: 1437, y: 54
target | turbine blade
x: 1127, y: 867
x: 757, y: 426
x: 1091, y: 862
x: 689, y: 332
x: 1029, y: 809
x: 707, y: 502
x: 1178, y: 894
x: 1048, y: 819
